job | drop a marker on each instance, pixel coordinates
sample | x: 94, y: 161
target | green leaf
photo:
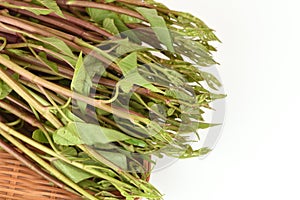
x: 217, y: 96
x: 129, y: 20
x: 194, y: 50
x: 76, y: 133
x: 18, y: 52
x: 75, y: 174
x: 136, y: 142
x: 69, y: 151
x: 102, y: 112
x: 109, y: 1
x: 52, y: 5
x: 180, y: 95
x: 91, y: 134
x: 118, y: 159
x: 71, y: 115
x: 126, y: 46
x: 170, y: 111
x: 39, y: 136
x: 203, y: 125
x: 109, y: 25
x: 189, y: 152
x: 129, y: 64
x: 66, y: 137
x: 59, y: 45
x: 4, y: 88
x: 211, y: 80
x: 135, y: 78
x: 98, y: 15
x: 81, y: 82
x: 51, y: 64
x: 36, y: 11
x: 158, y: 25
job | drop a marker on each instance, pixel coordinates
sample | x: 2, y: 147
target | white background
x: 257, y: 156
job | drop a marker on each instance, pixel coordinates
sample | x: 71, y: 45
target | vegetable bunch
x: 90, y: 90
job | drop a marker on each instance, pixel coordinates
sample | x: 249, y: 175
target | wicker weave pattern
x: 17, y: 182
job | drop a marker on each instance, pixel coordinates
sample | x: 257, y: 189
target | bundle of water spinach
x: 91, y: 90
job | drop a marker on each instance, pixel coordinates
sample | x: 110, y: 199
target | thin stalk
x: 31, y: 100
x: 74, y: 29
x: 114, y: 8
x: 70, y: 40
x: 18, y: 103
x: 58, y: 89
x: 21, y: 114
x: 133, y: 180
x: 35, y: 87
x: 68, y: 17
x: 50, y: 152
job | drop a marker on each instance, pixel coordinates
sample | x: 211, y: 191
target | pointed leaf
x: 81, y: 82
x: 36, y: 11
x: 158, y: 25
x: 136, y: 79
x: 207, y: 125
x: 52, y: 5
x: 75, y: 174
x: 51, y: 64
x: 66, y: 137
x: 118, y: 159
x: 128, y: 64
x: 109, y: 25
x: 59, y: 45
x: 91, y: 134
x: 4, y: 88
x: 39, y: 136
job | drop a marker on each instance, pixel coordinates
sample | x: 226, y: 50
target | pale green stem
x: 45, y: 165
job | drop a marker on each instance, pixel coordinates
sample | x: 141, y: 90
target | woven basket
x: 17, y: 182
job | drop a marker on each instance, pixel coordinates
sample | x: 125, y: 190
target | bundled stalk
x: 90, y: 90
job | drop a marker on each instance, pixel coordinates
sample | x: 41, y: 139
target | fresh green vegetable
x: 96, y: 88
